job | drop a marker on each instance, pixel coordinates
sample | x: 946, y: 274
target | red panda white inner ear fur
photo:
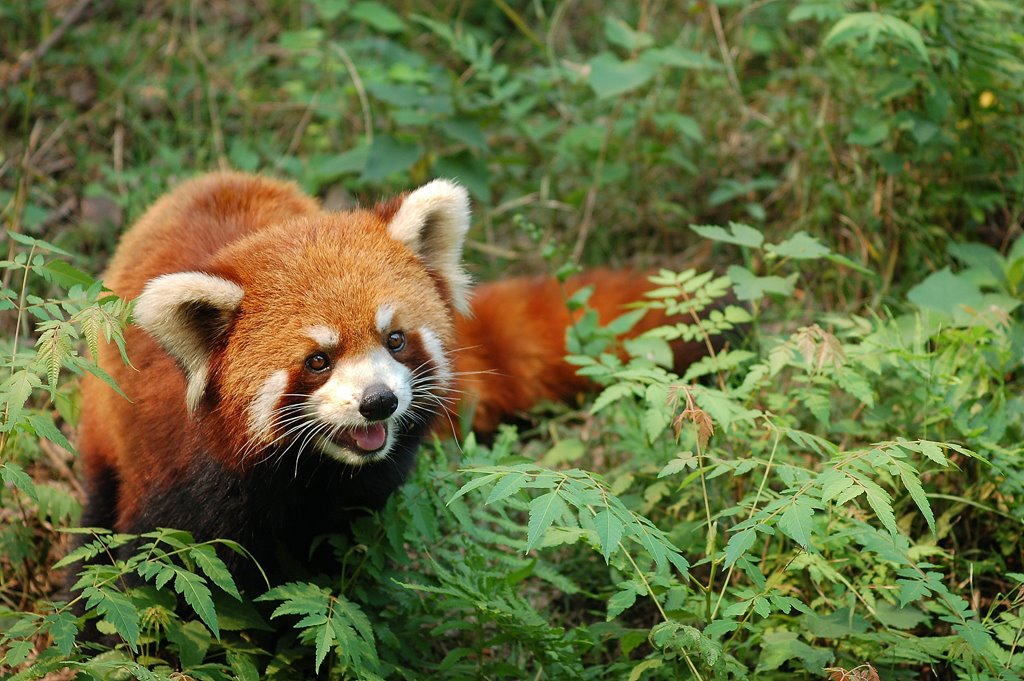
x: 433, y: 221
x: 185, y: 311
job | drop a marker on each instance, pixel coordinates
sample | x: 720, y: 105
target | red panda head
x: 326, y: 333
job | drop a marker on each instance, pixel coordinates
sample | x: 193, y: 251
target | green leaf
x: 946, y: 292
x: 797, y: 520
x: 739, y: 543
x: 738, y: 233
x: 909, y: 478
x: 65, y: 275
x: 609, y: 532
x: 609, y: 76
x: 43, y: 426
x: 63, y: 629
x: 507, y: 486
x: 14, y: 392
x: 564, y: 451
x: 116, y: 609
x: 192, y: 639
x: 243, y: 666
x: 544, y: 510
x: 214, y: 568
x: 38, y: 244
x: 881, y: 503
x: 15, y: 475
x: 778, y: 647
x: 475, y: 483
x: 682, y: 461
x: 197, y: 595
x: 749, y: 286
x: 18, y: 652
x: 899, y: 618
x: 378, y: 16
x: 800, y: 246
x: 389, y: 156
x: 621, y: 600
x: 872, y: 26
x: 621, y: 34
x: 723, y: 361
x: 324, y: 638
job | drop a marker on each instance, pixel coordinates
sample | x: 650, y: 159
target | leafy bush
x: 840, y: 493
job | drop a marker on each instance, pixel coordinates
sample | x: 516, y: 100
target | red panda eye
x: 318, y: 362
x: 396, y: 341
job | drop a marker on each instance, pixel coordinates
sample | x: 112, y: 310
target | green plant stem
x: 14, y: 341
x: 664, y: 616
x: 753, y: 509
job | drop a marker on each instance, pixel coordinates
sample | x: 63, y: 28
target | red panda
x: 288, y: 361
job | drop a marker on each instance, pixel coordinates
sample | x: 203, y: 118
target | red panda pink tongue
x: 371, y: 438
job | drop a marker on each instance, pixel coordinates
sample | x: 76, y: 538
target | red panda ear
x: 186, y: 312
x: 432, y: 221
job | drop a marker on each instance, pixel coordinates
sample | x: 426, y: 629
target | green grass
x: 859, y: 504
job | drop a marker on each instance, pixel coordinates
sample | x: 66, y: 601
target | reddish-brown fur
x: 516, y: 331
x: 510, y: 352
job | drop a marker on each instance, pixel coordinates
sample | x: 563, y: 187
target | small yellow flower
x: 986, y: 99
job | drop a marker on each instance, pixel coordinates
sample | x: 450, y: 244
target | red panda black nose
x: 378, y: 403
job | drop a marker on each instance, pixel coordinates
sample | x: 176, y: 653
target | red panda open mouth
x: 364, y: 439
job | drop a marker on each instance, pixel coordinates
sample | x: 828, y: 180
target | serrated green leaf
x: 65, y: 275
x: 507, y: 486
x: 38, y: 244
x: 15, y: 392
x: 18, y: 652
x: 473, y: 484
x: 43, y: 426
x: 612, y: 394
x: 193, y: 588
x: 242, y: 665
x: 881, y: 503
x: 621, y: 600
x: 609, y: 532
x: 15, y: 475
x: 324, y: 638
x: 909, y: 478
x: 797, y: 521
x: 116, y: 609
x: 544, y: 510
x: 739, y: 543
x: 214, y: 568
x: 64, y: 629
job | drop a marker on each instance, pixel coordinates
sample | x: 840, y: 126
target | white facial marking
x: 432, y: 344
x: 161, y: 311
x: 324, y: 336
x: 261, y: 411
x: 385, y: 313
x: 336, y: 402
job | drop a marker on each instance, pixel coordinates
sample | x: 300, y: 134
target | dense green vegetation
x: 839, y: 493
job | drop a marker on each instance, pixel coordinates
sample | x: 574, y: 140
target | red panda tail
x: 510, y: 354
